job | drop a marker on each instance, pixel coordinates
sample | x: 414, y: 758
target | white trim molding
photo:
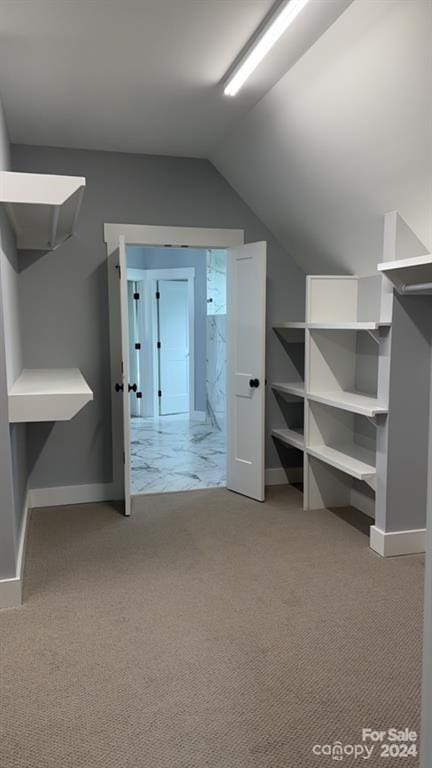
x: 192, y: 237
x: 391, y: 543
x: 59, y: 496
x: 11, y: 589
x: 155, y: 236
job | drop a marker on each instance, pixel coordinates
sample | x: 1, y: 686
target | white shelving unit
x: 42, y: 208
x: 345, y: 390
x: 292, y: 437
x: 363, y: 447
x: 48, y: 395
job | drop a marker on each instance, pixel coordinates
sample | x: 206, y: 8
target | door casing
x: 139, y: 234
x: 147, y: 319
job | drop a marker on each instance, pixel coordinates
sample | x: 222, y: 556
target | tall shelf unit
x: 344, y: 391
x: 43, y: 211
x: 366, y: 392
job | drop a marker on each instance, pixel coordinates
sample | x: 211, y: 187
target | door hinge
x: 159, y: 393
x: 124, y: 458
x: 118, y: 268
x: 137, y: 345
x: 136, y: 296
x: 158, y: 344
x: 157, y: 294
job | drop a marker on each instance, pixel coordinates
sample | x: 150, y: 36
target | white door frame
x: 141, y: 234
x: 147, y: 278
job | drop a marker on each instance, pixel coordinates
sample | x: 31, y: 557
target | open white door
x: 123, y: 388
x: 246, y: 317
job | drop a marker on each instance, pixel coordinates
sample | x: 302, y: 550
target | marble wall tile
x: 216, y: 370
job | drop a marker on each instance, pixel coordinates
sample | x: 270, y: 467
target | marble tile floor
x: 174, y: 453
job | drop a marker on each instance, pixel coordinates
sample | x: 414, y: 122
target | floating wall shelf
x: 48, y: 395
x: 42, y: 208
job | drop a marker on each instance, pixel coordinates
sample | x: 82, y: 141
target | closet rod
x: 415, y: 288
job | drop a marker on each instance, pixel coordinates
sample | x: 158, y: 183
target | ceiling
x: 342, y: 138
x: 138, y: 75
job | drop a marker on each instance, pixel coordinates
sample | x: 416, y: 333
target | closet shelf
x: 48, y: 395
x: 351, y: 459
x: 42, y: 208
x: 290, y: 325
x: 292, y: 332
x: 355, y: 402
x: 292, y: 437
x: 292, y: 388
x: 362, y: 325
x: 406, y: 273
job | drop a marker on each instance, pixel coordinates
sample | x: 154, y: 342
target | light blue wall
x: 170, y: 258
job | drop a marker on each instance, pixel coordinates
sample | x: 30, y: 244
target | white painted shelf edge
x: 354, y: 402
x: 290, y: 388
x: 291, y: 437
x: 417, y: 269
x: 42, y: 208
x: 351, y: 459
x: 361, y: 325
x: 48, y: 395
x: 358, y: 325
x: 295, y: 325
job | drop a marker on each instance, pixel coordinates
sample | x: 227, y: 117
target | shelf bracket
x: 377, y: 334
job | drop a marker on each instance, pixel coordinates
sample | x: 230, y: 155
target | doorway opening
x: 177, y: 317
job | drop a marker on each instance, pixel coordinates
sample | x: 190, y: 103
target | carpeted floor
x: 208, y: 631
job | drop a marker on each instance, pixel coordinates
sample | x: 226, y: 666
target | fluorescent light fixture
x: 277, y: 26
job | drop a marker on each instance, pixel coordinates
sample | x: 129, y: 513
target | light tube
x: 280, y: 23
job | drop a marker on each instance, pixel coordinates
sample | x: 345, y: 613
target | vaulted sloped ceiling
x: 342, y: 138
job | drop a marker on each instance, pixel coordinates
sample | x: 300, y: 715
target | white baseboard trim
x: 391, y: 543
x: 59, y: 496
x: 11, y: 589
x: 281, y: 476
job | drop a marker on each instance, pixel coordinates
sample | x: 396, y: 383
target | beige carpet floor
x: 208, y: 631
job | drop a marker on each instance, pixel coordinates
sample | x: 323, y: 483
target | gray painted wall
x: 64, y: 300
x: 170, y: 258
x: 13, y: 463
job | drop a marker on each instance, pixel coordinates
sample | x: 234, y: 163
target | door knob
x: 132, y: 387
x: 254, y: 383
x: 118, y: 387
